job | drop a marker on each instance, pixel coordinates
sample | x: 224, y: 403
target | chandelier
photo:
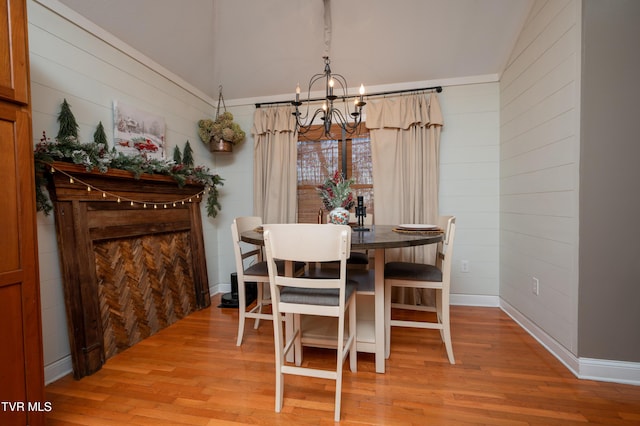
x: 335, y: 89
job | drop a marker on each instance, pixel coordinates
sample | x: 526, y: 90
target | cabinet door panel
x: 9, y: 226
x: 14, y: 56
x: 21, y: 358
x: 21, y: 361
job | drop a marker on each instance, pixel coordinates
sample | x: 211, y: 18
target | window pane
x: 314, y: 157
x: 361, y: 160
x: 361, y: 170
x: 319, y: 157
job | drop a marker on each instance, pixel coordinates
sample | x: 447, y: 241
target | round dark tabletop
x: 378, y: 236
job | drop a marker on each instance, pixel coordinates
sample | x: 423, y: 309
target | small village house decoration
x: 136, y: 131
x: 97, y: 156
x: 221, y: 134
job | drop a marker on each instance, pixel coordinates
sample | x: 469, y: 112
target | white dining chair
x: 327, y: 296
x: 251, y: 268
x: 423, y: 276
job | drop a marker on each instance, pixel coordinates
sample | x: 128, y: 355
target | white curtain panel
x: 275, y: 154
x: 405, y: 150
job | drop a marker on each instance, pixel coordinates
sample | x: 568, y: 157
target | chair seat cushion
x: 261, y: 268
x: 365, y: 279
x: 358, y: 258
x: 316, y: 296
x: 412, y: 271
x: 355, y: 258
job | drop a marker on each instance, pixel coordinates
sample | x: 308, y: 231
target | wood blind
x: 319, y: 156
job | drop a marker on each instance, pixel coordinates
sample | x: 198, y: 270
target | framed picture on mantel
x: 138, y: 132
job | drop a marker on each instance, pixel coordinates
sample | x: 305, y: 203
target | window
x: 318, y: 156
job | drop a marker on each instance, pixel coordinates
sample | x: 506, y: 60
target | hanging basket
x: 220, y: 145
x: 220, y: 134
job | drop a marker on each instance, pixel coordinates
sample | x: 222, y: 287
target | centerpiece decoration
x: 337, y: 198
x: 221, y: 134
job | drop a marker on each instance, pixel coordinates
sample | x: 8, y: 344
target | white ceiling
x: 261, y: 48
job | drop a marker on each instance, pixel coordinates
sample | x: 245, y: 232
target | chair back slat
x: 309, y: 242
x: 245, y: 253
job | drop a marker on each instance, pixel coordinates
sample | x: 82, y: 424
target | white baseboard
x: 583, y: 368
x: 474, y: 300
x: 610, y: 371
x: 58, y: 369
x: 219, y: 288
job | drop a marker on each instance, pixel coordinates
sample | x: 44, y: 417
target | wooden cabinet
x: 21, y: 359
x: 14, y: 52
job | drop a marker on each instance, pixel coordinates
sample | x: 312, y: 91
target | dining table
x: 378, y: 238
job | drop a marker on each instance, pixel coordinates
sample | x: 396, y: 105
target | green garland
x: 97, y: 156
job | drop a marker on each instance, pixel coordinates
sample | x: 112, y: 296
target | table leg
x: 379, y: 309
x: 288, y: 318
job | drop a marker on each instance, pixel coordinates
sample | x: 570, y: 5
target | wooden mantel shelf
x: 132, y: 256
x: 148, y: 187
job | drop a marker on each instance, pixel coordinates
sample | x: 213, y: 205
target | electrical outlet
x: 535, y: 288
x: 464, y: 266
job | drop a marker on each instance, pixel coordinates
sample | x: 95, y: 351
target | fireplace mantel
x: 132, y: 257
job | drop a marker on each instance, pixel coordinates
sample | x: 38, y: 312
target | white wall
x: 539, y: 165
x: 68, y: 62
x: 469, y: 187
x: 73, y: 59
x: 237, y: 197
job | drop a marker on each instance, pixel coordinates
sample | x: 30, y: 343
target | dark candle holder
x: 361, y: 213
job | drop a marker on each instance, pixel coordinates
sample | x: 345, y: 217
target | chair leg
x: 336, y: 415
x: 279, y: 357
x: 353, y: 353
x: 297, y: 346
x: 387, y: 321
x: 339, y: 363
x: 259, y: 297
x: 279, y: 390
x: 242, y: 303
x: 442, y: 308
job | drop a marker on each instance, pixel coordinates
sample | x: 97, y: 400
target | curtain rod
x: 438, y: 89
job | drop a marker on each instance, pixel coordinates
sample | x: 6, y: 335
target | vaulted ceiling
x: 262, y: 48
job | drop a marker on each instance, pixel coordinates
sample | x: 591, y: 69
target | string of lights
x: 119, y: 198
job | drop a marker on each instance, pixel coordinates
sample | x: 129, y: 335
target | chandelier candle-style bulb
x: 343, y: 114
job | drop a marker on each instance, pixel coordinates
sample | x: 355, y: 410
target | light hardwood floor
x: 192, y: 373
